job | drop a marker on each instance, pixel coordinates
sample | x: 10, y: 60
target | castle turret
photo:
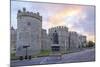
x: 29, y: 27
x: 59, y: 35
x: 13, y: 39
x: 74, y: 40
x: 29, y: 14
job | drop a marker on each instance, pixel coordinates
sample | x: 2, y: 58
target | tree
x: 91, y: 44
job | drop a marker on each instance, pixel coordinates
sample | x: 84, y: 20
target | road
x: 86, y: 55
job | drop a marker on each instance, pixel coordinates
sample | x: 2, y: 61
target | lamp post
x: 26, y: 46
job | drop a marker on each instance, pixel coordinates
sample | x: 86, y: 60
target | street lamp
x: 26, y: 46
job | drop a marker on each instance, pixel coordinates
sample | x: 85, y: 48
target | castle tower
x: 59, y: 35
x: 82, y: 41
x: 29, y: 27
x: 74, y: 40
x: 13, y: 39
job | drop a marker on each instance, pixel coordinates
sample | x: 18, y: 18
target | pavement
x: 82, y: 56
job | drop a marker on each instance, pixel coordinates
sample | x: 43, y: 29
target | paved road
x: 86, y: 55
x: 34, y: 61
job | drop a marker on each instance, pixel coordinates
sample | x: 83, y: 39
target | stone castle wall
x: 62, y: 36
x: 28, y: 32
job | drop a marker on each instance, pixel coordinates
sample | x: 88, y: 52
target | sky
x: 79, y: 18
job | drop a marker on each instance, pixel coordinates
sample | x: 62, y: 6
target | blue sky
x: 77, y: 18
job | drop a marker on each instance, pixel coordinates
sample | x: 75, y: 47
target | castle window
x: 28, y: 23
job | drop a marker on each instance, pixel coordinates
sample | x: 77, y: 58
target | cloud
x: 85, y: 22
x: 88, y: 23
x: 59, y: 18
x: 77, y: 17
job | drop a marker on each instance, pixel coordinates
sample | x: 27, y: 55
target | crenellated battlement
x: 73, y: 33
x: 59, y: 28
x: 30, y: 14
